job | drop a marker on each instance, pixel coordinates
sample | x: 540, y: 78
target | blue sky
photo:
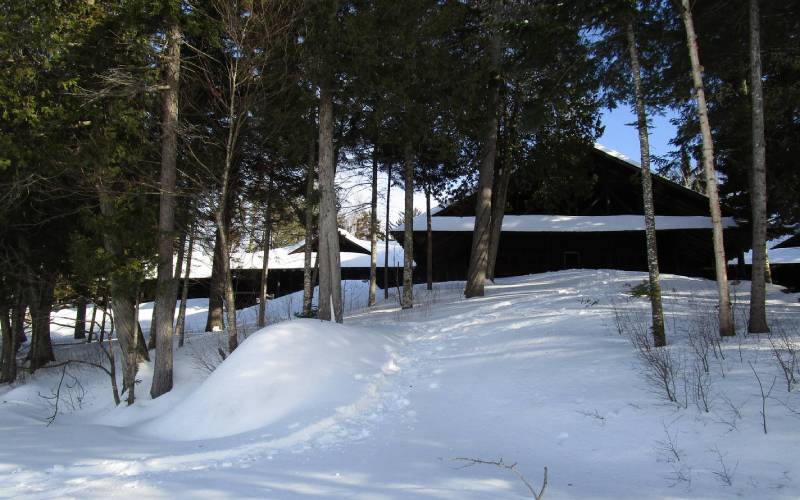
x: 620, y: 133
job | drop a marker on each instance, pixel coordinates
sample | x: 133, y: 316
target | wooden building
x: 600, y: 227
x: 286, y: 269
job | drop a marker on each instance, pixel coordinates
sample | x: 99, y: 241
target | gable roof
x: 607, y: 183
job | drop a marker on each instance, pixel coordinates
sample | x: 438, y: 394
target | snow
x: 789, y: 255
x: 571, y: 223
x: 280, y: 378
x: 379, y: 408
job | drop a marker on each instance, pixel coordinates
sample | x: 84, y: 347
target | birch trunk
x: 330, y: 277
x: 386, y: 242
x: 758, y: 189
x: 166, y: 285
x: 656, y: 308
x: 726, y: 325
x: 180, y: 326
x: 373, y: 232
x: 407, y: 301
x: 479, y: 255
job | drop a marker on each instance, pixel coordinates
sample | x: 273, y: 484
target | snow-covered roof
x: 571, y: 223
x: 616, y: 154
x: 283, y: 258
x: 776, y: 255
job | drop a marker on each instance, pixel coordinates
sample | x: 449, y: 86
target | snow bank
x: 292, y: 379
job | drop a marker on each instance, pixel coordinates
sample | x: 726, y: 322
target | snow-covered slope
x: 534, y: 373
x: 292, y: 379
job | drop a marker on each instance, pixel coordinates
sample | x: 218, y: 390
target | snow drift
x: 292, y: 379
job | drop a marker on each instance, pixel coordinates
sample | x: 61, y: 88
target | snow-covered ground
x: 534, y: 373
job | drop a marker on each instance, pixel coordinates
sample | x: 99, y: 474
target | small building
x: 286, y: 266
x: 602, y: 227
x: 784, y: 262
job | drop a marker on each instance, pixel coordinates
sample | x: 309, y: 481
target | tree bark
x: 656, y: 308
x: 408, y: 228
x: 386, y: 242
x: 93, y: 321
x: 265, y: 243
x: 18, y: 310
x: 758, y: 189
x: 8, y: 362
x: 308, y: 281
x: 166, y: 285
x: 726, y: 325
x: 123, y: 307
x: 216, y: 292
x: 79, y: 331
x: 428, y: 238
x: 40, y: 299
x: 373, y: 232
x: 506, y: 158
x: 180, y: 326
x: 479, y: 255
x: 330, y: 277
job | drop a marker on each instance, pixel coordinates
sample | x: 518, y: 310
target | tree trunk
x: 166, y: 285
x: 180, y: 326
x: 656, y: 308
x: 408, y: 228
x: 308, y: 282
x: 229, y: 297
x: 8, y: 362
x: 428, y: 238
x: 758, y: 189
x: 479, y: 255
x: 92, y: 322
x: 216, y: 292
x: 79, y: 331
x: 386, y: 242
x: 262, y: 289
x: 726, y: 325
x: 40, y: 297
x: 18, y: 310
x: 373, y: 232
x: 767, y: 267
x: 330, y: 277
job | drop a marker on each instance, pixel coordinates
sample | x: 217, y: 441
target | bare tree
x: 265, y: 244
x: 180, y: 325
x: 726, y: 325
x: 657, y: 310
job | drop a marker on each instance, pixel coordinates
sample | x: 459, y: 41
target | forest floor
x: 387, y: 405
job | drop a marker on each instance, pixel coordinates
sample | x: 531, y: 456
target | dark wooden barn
x: 601, y: 227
